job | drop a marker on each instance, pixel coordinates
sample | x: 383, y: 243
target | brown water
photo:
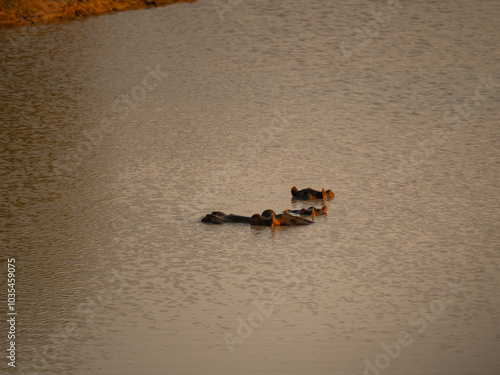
x: 120, y: 132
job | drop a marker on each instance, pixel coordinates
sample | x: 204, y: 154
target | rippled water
x: 120, y: 132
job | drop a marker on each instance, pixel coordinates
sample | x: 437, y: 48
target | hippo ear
x: 323, y: 193
x: 294, y: 191
x: 325, y: 207
x: 254, y: 220
x: 313, y: 212
x: 274, y: 221
x: 286, y: 211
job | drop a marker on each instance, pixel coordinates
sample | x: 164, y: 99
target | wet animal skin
x: 311, y: 211
x: 286, y: 219
x: 310, y: 194
x: 268, y: 218
x: 218, y: 217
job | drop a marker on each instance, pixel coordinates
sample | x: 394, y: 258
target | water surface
x: 120, y: 132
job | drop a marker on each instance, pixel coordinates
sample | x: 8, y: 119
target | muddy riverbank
x: 35, y: 12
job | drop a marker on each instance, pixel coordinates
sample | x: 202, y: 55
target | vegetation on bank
x: 34, y: 12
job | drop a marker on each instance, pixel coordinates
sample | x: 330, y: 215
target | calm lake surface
x: 121, y: 132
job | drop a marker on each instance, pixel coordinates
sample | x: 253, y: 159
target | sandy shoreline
x: 36, y: 12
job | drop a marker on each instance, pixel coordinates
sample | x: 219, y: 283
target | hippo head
x: 212, y: 219
x: 330, y: 194
x: 261, y: 220
x: 308, y: 211
x: 268, y: 213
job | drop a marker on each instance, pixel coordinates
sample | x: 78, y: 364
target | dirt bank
x: 33, y: 12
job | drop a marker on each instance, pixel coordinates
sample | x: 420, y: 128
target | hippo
x: 309, y: 194
x: 268, y: 218
x: 212, y: 219
x: 218, y: 217
x: 286, y: 219
x: 269, y: 221
x: 311, y: 211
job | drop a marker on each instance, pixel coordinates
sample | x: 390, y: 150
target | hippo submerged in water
x: 310, y: 194
x: 311, y: 211
x: 269, y: 221
x: 218, y: 217
x: 268, y: 218
x: 285, y: 219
